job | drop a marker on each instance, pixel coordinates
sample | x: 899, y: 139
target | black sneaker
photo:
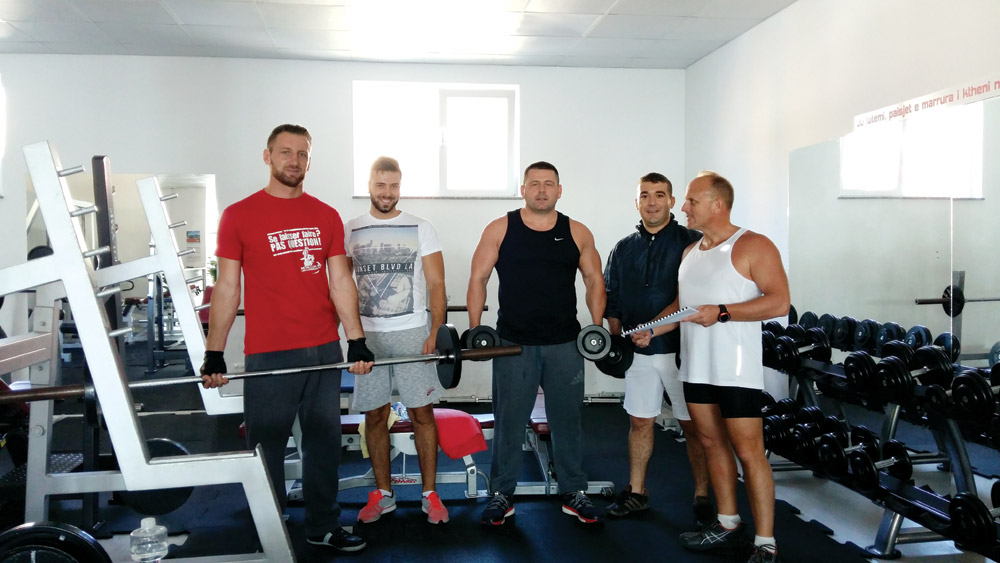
x: 713, y: 536
x: 704, y: 511
x: 497, y: 510
x: 578, y: 504
x: 763, y: 554
x: 628, y: 502
x: 339, y: 539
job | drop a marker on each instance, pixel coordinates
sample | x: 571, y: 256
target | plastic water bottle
x: 149, y: 541
x: 400, y: 409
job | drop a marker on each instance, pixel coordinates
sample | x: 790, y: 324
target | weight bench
x: 537, y: 438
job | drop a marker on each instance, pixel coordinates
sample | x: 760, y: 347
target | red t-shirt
x: 283, y: 246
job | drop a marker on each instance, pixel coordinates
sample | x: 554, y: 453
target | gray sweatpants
x: 270, y: 405
x: 558, y: 369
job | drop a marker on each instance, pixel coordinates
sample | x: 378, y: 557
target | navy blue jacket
x: 641, y: 279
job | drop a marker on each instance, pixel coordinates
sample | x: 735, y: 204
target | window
x: 934, y: 154
x: 451, y: 140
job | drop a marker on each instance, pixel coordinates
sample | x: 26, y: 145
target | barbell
x: 449, y: 358
x: 613, y: 355
x: 953, y: 300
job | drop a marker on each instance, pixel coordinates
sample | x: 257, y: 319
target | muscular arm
x: 433, y: 265
x: 756, y: 258
x: 590, y: 268
x: 225, y: 302
x: 483, y: 260
x: 344, y: 295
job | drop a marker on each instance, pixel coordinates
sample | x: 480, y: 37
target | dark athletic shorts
x: 734, y: 402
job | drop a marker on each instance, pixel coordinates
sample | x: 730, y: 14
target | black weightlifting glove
x: 357, y: 351
x: 214, y: 363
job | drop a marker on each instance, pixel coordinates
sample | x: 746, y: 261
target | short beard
x: 377, y: 205
x: 285, y: 179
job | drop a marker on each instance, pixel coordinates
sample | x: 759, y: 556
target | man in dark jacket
x: 641, y: 280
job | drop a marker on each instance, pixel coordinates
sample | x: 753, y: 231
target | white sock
x: 759, y: 541
x: 428, y: 493
x: 386, y: 493
x: 730, y: 522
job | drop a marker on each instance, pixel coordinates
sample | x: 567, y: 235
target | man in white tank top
x: 735, y: 279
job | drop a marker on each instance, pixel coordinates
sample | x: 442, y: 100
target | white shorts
x: 645, y: 383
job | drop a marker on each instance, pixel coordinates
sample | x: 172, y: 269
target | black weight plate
x: 971, y: 522
x: 903, y: 468
x: 950, y: 343
x: 859, y: 367
x: 898, y: 349
x: 866, y: 334
x: 793, y: 315
x: 796, y: 333
x: 843, y: 332
x: 995, y: 354
x: 822, y: 351
x: 827, y: 322
x: 155, y: 502
x: 483, y: 336
x: 619, y: 358
x: 50, y: 541
x: 917, y: 336
x: 935, y: 359
x: 449, y: 368
x: 809, y: 320
x: 886, y: 333
x: 972, y: 396
x: 774, y: 327
x: 593, y: 342
x: 955, y: 300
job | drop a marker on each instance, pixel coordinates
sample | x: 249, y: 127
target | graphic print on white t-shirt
x: 384, y: 259
x: 303, y: 241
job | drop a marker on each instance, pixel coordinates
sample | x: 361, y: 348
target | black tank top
x: 537, y: 273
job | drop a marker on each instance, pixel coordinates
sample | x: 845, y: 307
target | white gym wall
x: 602, y: 128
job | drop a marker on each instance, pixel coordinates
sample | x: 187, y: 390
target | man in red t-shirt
x: 278, y: 241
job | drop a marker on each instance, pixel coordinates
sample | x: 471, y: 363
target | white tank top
x: 724, y: 354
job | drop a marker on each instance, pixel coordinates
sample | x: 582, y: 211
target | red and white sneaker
x: 434, y: 508
x: 378, y: 504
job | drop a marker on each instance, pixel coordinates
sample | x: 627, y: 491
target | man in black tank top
x: 536, y: 252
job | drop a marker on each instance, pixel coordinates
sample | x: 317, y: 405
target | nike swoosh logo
x: 559, y: 239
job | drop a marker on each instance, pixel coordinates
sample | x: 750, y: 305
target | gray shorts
x: 416, y: 382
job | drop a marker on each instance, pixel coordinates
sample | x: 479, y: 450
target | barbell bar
x: 449, y: 357
x: 953, y: 300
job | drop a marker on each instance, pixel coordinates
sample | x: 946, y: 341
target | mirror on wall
x: 871, y: 257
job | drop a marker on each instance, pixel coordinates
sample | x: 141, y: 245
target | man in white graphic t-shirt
x: 397, y: 261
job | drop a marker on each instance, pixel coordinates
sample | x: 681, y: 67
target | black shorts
x: 734, y: 402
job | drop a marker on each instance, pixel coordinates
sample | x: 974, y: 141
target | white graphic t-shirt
x: 387, y: 255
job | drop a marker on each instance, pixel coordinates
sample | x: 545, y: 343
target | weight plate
x: 449, y: 368
x: 483, y: 336
x: 809, y: 320
x: 859, y: 368
x: 950, y: 343
x: 50, y: 541
x: 827, y: 322
x: 917, y: 336
x: 995, y: 354
x: 971, y: 522
x: 822, y: 351
x: 955, y: 300
x: 793, y: 315
x: 898, y: 349
x: 865, y: 334
x: 619, y: 358
x: 774, y: 327
x: 888, y: 332
x: 593, y: 342
x: 843, y: 332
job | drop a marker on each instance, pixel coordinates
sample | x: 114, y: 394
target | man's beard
x: 382, y: 209
x: 288, y: 179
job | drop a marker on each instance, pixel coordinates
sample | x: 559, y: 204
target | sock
x: 428, y: 493
x: 730, y: 522
x: 386, y: 493
x: 759, y: 541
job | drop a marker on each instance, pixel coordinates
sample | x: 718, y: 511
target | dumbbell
x: 866, y: 335
x: 894, y: 380
x: 778, y: 428
x: 865, y: 472
x: 887, y: 333
x: 785, y: 406
x: 972, y: 524
x: 843, y: 333
x: 805, y: 438
x: 481, y: 336
x: 788, y: 352
x: 859, y: 366
x: 809, y: 320
x: 975, y: 396
x: 793, y: 315
x: 827, y: 322
x: 593, y: 342
x: 917, y: 337
x: 950, y: 343
x: 774, y: 327
x: 832, y: 453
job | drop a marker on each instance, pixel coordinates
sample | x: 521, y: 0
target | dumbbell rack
x: 70, y: 267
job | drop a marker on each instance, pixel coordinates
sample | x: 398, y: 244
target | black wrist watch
x: 724, y: 315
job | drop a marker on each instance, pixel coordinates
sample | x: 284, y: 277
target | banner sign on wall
x: 970, y: 92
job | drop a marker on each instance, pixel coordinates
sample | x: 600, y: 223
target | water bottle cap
x: 148, y: 523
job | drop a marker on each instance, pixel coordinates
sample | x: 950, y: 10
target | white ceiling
x: 582, y: 33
